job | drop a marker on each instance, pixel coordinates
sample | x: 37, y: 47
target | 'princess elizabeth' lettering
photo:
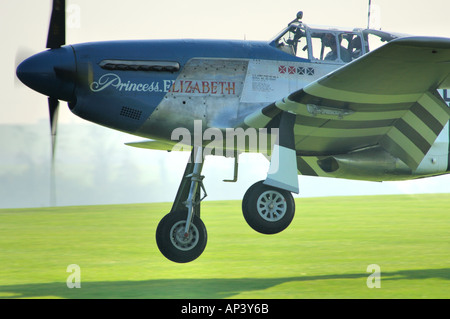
x: 166, y: 86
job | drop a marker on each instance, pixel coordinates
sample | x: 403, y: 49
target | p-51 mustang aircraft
x: 348, y: 103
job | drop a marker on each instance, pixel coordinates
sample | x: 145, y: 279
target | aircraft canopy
x: 329, y: 45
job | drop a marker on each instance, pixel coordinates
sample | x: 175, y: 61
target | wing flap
x: 412, y: 135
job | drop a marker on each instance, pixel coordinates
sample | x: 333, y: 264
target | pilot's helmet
x: 329, y: 39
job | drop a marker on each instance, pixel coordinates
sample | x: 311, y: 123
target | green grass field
x: 323, y: 254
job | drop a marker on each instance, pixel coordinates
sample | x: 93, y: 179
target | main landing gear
x: 268, y: 205
x: 181, y: 235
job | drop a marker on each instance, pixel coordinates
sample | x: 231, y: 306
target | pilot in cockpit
x: 356, y: 49
x: 329, y: 40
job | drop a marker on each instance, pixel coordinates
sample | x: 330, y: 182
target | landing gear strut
x: 268, y: 205
x: 181, y: 235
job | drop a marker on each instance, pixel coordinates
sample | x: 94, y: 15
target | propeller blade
x: 53, y: 105
x: 55, y: 39
x: 57, y: 29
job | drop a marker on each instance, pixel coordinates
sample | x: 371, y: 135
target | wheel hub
x: 271, y: 205
x: 182, y: 240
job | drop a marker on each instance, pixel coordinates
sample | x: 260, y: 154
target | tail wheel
x: 267, y: 209
x: 174, y: 243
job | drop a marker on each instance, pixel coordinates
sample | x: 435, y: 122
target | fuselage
x: 151, y: 103
x: 151, y: 87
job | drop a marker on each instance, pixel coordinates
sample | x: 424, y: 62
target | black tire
x: 171, y: 241
x: 267, y: 209
x: 247, y: 195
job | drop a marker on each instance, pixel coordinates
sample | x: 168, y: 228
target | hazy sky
x: 24, y: 26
